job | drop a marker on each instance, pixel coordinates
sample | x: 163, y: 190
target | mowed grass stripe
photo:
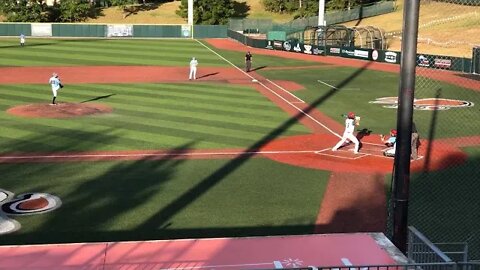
x: 206, y: 101
x: 108, y: 52
x: 67, y: 59
x: 187, y: 102
x: 47, y: 138
x: 150, y: 106
x: 59, y: 56
x: 232, y: 91
x: 114, y: 136
x: 127, y: 51
x: 61, y: 134
x: 200, y: 110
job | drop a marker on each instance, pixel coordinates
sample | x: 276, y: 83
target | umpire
x: 248, y: 61
x: 415, y: 142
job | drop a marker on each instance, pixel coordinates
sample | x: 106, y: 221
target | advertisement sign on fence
x: 41, y: 29
x: 442, y: 63
x: 119, y: 30
x: 361, y: 54
x: 391, y: 57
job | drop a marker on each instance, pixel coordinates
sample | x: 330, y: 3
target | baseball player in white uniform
x: 350, y: 122
x: 56, y: 85
x: 193, y: 69
x: 22, y: 40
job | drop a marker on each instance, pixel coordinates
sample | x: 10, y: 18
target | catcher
x: 390, y: 142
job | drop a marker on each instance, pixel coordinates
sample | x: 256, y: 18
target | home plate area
x: 314, y: 151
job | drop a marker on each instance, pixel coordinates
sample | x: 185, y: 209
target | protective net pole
x: 404, y: 123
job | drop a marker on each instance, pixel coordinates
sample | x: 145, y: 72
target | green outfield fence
x: 334, y: 17
x: 15, y: 29
x: 112, y: 30
x: 431, y: 61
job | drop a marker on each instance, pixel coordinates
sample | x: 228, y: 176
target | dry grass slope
x: 444, y: 29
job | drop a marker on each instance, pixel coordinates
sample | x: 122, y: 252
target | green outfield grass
x: 357, y: 88
x: 112, y: 201
x: 146, y: 116
x: 108, y: 52
x: 177, y: 198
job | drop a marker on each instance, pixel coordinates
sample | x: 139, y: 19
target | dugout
x: 331, y: 35
x: 369, y: 37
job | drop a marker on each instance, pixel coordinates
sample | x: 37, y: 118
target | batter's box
x: 344, y: 154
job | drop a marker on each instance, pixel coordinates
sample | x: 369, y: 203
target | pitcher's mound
x: 61, y: 110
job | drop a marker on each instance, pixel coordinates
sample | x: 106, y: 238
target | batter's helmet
x: 393, y: 132
x: 351, y: 115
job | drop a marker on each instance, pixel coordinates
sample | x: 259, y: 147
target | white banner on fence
x: 41, y: 29
x: 120, y: 30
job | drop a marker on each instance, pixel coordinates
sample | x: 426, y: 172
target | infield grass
x: 356, y: 88
x: 135, y: 200
x: 146, y: 116
x: 178, y: 198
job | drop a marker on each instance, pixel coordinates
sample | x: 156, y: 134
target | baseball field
x: 134, y: 150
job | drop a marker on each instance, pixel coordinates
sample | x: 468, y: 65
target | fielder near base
x: 193, y: 69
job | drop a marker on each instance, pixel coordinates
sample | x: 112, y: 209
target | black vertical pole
x: 404, y: 123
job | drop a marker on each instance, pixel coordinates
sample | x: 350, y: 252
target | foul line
x: 156, y: 154
x: 327, y: 84
x: 266, y: 87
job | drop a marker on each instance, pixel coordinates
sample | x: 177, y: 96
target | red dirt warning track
x: 274, y: 252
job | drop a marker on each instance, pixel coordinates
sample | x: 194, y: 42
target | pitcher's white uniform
x: 56, y: 85
x: 348, y: 135
x: 193, y: 69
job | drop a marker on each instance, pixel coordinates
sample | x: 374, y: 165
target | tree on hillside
x: 123, y: 3
x: 74, y: 10
x: 208, y: 11
x: 343, y: 4
x: 302, y: 8
x: 305, y: 8
x: 24, y: 10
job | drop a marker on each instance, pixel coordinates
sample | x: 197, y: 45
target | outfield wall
x: 112, y: 30
x: 387, y: 56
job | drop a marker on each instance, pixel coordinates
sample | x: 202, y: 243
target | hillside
x: 444, y: 29
x: 165, y: 14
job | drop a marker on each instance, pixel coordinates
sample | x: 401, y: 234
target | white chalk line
x: 324, y: 82
x: 157, y: 154
x: 273, y: 92
x: 327, y: 84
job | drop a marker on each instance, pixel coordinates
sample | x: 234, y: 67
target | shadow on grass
x: 170, y: 210
x: 127, y: 185
x: 208, y: 75
x: 97, y: 98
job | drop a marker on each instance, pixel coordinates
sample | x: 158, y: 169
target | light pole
x: 321, y: 13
